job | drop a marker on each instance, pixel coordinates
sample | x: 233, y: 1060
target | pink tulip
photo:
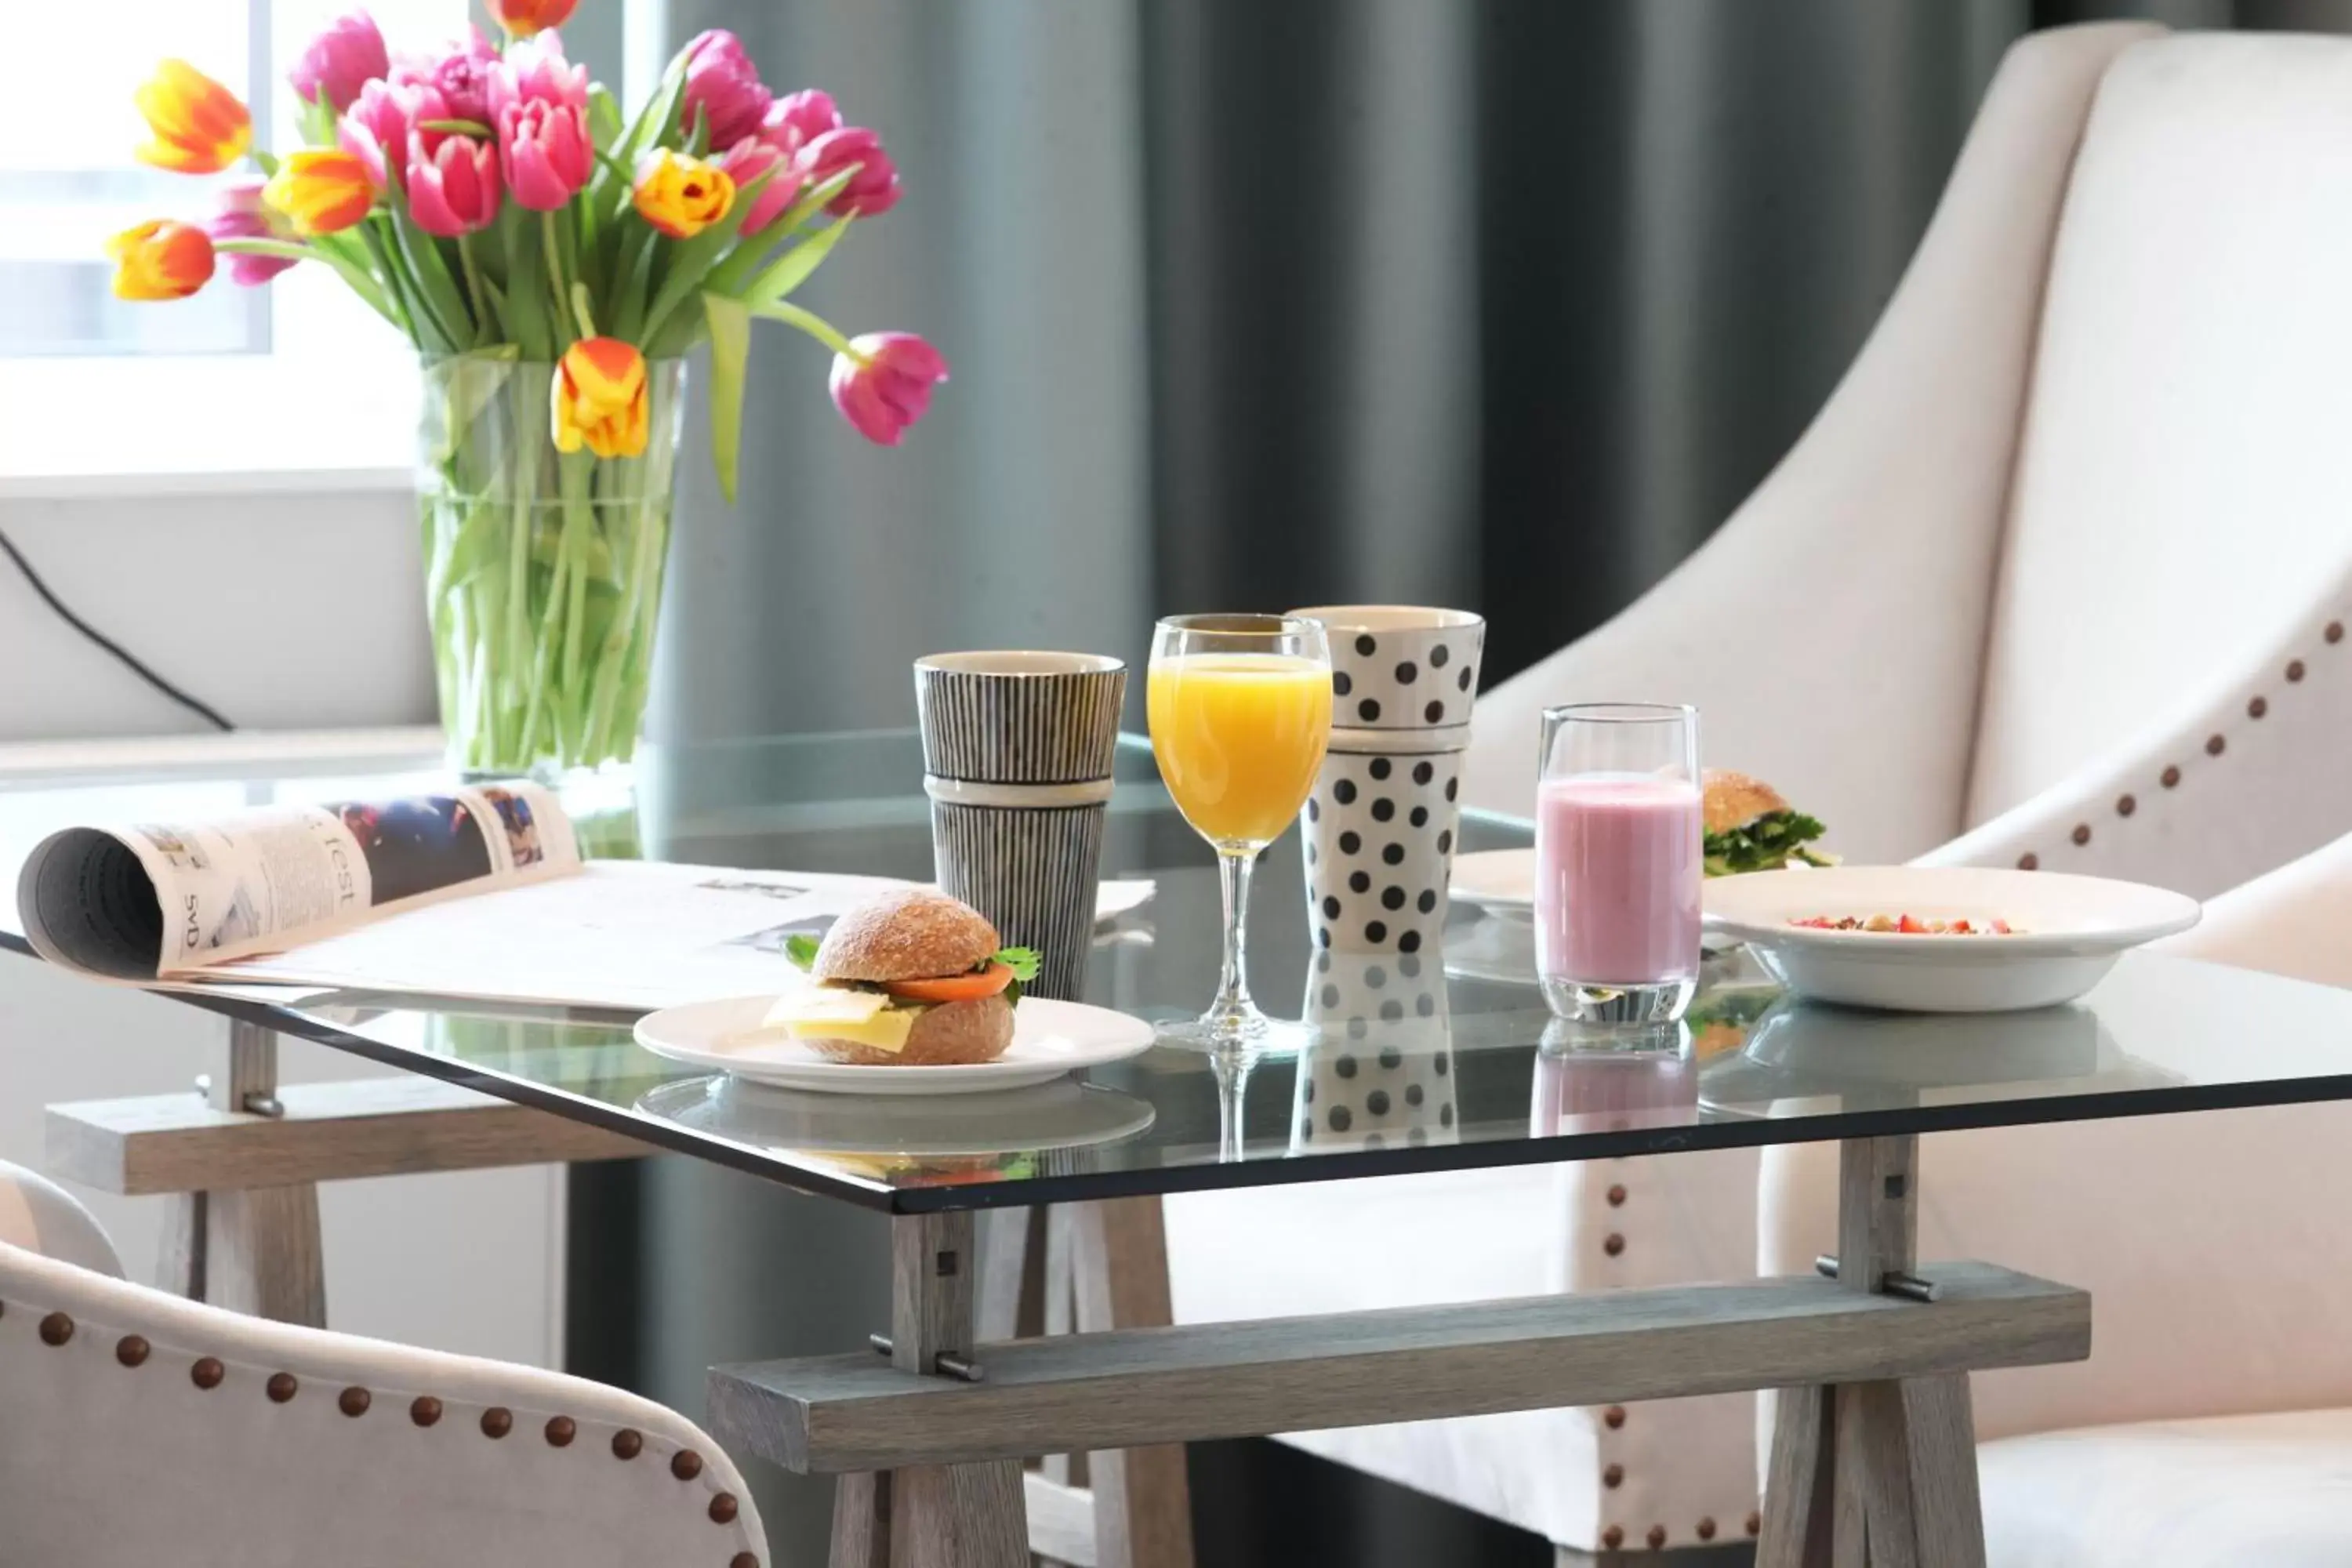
x: 379, y: 120
x: 746, y: 162
x: 453, y: 189
x: 884, y: 383
x: 461, y: 75
x: 339, y: 62
x: 243, y: 215
x: 535, y: 71
x: 546, y: 149
x: 798, y: 118
x: 723, y: 85
x: 875, y: 188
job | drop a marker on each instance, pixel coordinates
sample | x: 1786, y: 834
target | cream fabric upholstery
x: 38, y: 1215
x: 2070, y: 531
x: 2183, y: 489
x: 2234, y: 1492
x: 102, y: 1461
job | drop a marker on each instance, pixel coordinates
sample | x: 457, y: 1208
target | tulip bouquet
x: 552, y: 263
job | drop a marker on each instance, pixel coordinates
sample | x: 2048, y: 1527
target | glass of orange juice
x: 1241, y: 710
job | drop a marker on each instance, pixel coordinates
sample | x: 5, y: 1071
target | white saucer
x: 1049, y: 1039
x: 1057, y: 1115
x: 2069, y: 932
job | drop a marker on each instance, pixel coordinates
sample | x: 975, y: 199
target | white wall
x: 285, y: 610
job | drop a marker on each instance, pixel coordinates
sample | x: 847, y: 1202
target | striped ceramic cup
x: 1017, y: 753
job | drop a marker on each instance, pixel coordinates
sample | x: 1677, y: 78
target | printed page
x: 625, y: 934
x: 172, y: 899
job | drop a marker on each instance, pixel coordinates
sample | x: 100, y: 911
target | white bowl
x: 2069, y: 932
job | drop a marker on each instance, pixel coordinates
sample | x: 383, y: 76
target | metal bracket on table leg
x: 1910, y: 1286
x: 255, y: 1104
x: 953, y: 1366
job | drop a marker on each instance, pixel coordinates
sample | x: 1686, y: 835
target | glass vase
x: 542, y: 570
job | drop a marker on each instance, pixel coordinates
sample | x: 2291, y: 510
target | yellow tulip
x: 680, y: 196
x: 320, y: 190
x: 160, y: 260
x: 600, y: 399
x: 198, y: 126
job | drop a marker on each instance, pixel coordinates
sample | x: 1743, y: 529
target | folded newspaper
x: 478, y: 893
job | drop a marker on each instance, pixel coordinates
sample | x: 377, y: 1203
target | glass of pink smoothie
x: 1617, y: 861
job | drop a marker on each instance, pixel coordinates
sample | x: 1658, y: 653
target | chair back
x: 143, y: 1428
x: 2180, y: 513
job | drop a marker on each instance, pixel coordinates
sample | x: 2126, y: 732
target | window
x: 231, y: 379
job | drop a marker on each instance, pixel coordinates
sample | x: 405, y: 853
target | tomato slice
x: 967, y: 987
x: 1911, y: 927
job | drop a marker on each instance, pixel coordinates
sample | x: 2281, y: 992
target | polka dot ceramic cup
x: 1379, y: 833
x: 1380, y: 1073
x: 1401, y: 666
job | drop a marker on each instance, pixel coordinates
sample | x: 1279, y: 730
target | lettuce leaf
x: 1766, y: 844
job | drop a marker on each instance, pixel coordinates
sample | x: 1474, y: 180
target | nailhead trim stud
x: 56, y: 1328
x: 425, y: 1410
x: 281, y: 1387
x: 685, y: 1464
x: 2171, y: 778
x: 1617, y: 1197
x: 1614, y: 1477
x: 207, y: 1373
x: 1612, y: 1244
x: 131, y: 1349
x: 1755, y: 1524
x: 355, y: 1401
x: 627, y: 1443
x: 1657, y: 1537
x: 2029, y: 861
x: 722, y: 1507
x: 1614, y: 1418
x: 1611, y: 1539
x: 1706, y: 1529
x: 560, y: 1430
x: 496, y: 1422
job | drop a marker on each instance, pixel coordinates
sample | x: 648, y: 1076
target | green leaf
x: 800, y: 950
x: 456, y: 127
x: 787, y: 272
x: 1021, y: 961
x: 731, y: 352
x: 604, y: 127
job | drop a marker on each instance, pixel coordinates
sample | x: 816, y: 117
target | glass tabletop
x: 1442, y: 1060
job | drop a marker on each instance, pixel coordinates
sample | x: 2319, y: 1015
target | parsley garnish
x: 1021, y: 961
x: 800, y: 950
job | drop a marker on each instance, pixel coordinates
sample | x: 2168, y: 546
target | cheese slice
x: 833, y: 1013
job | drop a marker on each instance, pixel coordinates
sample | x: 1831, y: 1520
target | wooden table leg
x: 1875, y: 1475
x: 257, y: 1250
x: 1143, y: 1503
x: 932, y: 1516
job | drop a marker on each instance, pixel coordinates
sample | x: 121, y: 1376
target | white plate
x: 1500, y: 881
x: 1049, y: 1039
x: 1059, y: 1115
x: 2070, y: 931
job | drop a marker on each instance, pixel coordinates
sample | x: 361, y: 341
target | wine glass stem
x: 1233, y: 868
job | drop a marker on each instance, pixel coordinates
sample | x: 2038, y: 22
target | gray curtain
x: 1254, y: 303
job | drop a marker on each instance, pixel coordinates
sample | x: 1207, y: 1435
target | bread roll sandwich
x: 1750, y: 829
x: 907, y: 978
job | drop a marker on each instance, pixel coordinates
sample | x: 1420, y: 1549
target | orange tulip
x: 521, y: 19
x: 320, y: 190
x: 601, y: 398
x: 680, y: 196
x: 160, y: 260
x: 198, y: 126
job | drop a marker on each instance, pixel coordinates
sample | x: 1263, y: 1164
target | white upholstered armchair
x: 2059, y: 578
x: 137, y: 1427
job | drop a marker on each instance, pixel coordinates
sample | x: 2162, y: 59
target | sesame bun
x: 907, y: 934
x: 1735, y: 800
x: 953, y: 1033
